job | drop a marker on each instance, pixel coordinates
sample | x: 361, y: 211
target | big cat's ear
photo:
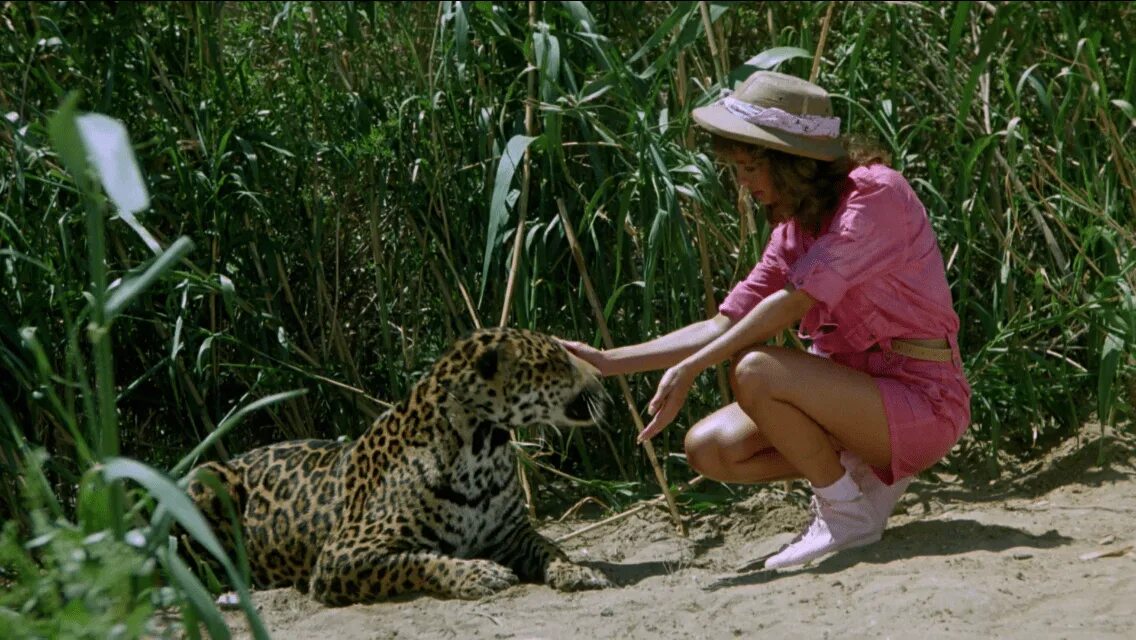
x: 487, y: 363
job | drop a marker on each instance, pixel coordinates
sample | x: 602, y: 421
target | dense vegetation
x: 339, y: 189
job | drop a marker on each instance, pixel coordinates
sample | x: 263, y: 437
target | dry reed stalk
x: 708, y: 27
x: 710, y: 301
x: 447, y: 296
x: 619, y: 516
x: 820, y: 44
x: 526, y: 169
x: 597, y: 308
x: 519, y: 234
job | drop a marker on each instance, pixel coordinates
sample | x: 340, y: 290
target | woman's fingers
x: 659, y: 422
x: 587, y: 353
x: 666, y: 386
x: 649, y: 432
x: 669, y: 398
x: 655, y: 403
x: 571, y: 345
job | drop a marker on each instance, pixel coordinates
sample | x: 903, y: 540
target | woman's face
x: 753, y: 174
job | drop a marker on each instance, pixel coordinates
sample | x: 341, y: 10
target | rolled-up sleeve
x: 767, y: 277
x: 867, y: 240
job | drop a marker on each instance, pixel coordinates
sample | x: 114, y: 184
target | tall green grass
x: 350, y: 176
x: 103, y: 568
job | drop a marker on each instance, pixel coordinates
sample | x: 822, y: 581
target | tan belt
x: 933, y: 350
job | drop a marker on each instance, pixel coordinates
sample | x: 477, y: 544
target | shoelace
x: 814, y: 524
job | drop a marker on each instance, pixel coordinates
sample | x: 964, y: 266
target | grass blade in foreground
x: 175, y: 503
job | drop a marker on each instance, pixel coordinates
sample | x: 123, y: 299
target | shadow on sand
x: 914, y: 539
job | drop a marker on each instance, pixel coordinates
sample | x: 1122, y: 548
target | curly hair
x: 809, y: 188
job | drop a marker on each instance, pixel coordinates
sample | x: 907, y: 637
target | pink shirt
x: 875, y: 271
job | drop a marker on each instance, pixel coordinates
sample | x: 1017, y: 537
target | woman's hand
x: 669, y: 398
x: 589, y: 354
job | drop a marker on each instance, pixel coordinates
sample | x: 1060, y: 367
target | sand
x: 1048, y: 551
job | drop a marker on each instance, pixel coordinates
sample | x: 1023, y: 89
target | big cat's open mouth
x: 579, y: 409
x: 587, y: 407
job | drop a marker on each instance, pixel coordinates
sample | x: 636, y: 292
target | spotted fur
x: 427, y: 500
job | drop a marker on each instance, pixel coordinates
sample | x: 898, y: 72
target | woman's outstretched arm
x: 659, y: 353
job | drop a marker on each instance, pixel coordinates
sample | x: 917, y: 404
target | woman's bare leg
x: 728, y: 447
x: 794, y: 413
x: 801, y: 404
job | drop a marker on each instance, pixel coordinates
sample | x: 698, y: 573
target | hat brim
x: 717, y: 119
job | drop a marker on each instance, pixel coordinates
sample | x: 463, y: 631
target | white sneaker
x: 834, y: 526
x: 883, y: 497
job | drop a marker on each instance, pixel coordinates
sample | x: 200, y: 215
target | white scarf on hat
x: 816, y: 126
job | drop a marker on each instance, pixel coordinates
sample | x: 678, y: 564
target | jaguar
x: 428, y: 499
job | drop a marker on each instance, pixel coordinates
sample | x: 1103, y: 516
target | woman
x: 881, y: 395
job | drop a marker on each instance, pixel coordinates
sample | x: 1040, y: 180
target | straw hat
x: 778, y: 111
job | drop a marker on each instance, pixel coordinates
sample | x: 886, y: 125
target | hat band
x: 815, y: 126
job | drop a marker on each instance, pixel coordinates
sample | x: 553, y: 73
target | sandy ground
x: 1047, y: 554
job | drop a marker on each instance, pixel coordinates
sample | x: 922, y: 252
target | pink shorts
x: 927, y: 406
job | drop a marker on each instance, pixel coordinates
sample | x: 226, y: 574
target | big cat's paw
x: 479, y: 578
x: 565, y: 576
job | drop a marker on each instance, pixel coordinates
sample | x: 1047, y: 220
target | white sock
x: 843, y: 490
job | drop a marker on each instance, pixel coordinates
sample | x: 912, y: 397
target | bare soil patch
x: 1045, y: 551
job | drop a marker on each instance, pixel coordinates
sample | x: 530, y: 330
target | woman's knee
x: 715, y: 443
x: 702, y: 449
x: 753, y: 374
x: 715, y: 450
